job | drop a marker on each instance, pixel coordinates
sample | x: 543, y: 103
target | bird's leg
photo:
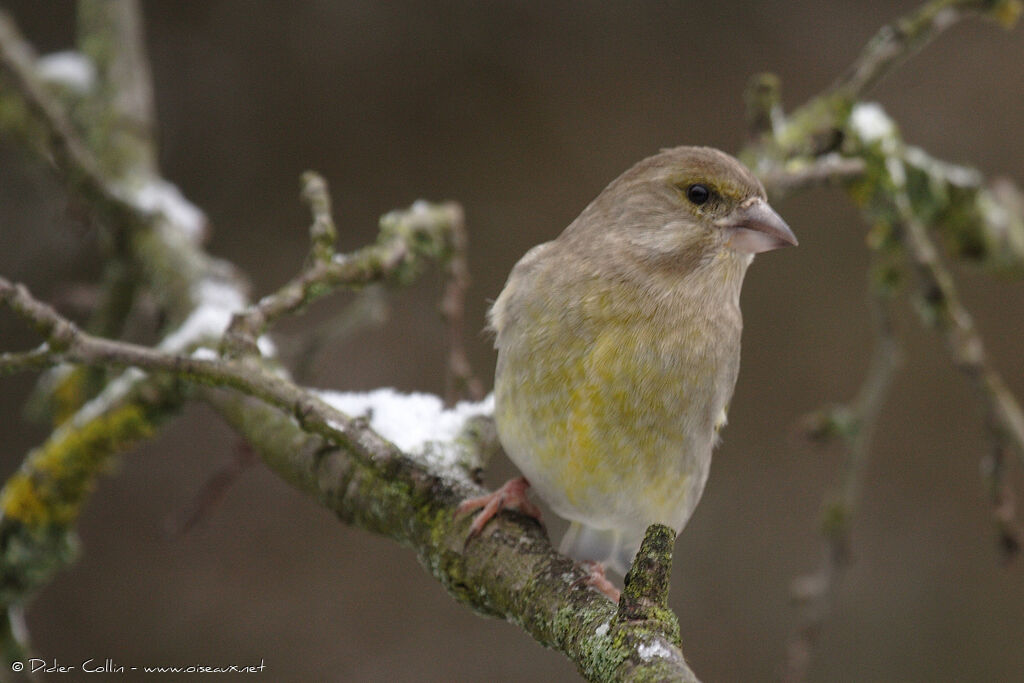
x: 597, y: 580
x: 510, y: 496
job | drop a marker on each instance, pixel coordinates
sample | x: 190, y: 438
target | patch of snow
x: 410, y: 421
x: 217, y: 302
x: 205, y: 353
x: 156, y: 195
x: 69, y: 68
x: 267, y: 347
x: 870, y: 122
x: 655, y: 649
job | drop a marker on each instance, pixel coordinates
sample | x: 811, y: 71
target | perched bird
x: 618, y: 350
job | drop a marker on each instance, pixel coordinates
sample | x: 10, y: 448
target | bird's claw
x: 509, y: 496
x: 596, y: 579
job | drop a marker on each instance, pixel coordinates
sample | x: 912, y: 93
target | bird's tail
x: 611, y: 547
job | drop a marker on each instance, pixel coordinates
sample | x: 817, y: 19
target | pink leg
x: 596, y: 579
x: 510, y: 496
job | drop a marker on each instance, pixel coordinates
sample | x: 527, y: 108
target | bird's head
x: 681, y: 208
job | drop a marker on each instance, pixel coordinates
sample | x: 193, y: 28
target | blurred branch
x: 853, y: 426
x: 459, y: 378
x: 897, y: 41
x: 20, y: 361
x: 120, y: 115
x: 368, y: 309
x: 906, y: 195
x: 213, y: 491
x: 799, y: 174
x: 68, y: 153
x: 941, y: 309
x: 1009, y: 535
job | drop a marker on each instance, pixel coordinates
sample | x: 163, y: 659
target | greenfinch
x: 619, y: 346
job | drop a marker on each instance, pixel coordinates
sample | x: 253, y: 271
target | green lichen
x: 425, y: 230
x: 57, y: 477
x: 69, y: 393
x: 41, y: 502
x: 814, y: 129
x: 30, y: 557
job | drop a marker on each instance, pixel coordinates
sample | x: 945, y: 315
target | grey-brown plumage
x: 618, y: 346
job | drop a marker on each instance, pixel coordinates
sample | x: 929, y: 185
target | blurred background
x: 523, y: 111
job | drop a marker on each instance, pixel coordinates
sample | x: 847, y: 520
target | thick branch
x: 371, y: 484
x: 110, y: 33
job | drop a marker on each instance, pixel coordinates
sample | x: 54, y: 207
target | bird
x: 618, y: 349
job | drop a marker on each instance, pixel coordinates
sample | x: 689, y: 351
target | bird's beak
x: 755, y: 227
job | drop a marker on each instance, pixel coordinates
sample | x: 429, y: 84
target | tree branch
x: 459, y: 379
x: 510, y: 571
x: 853, y: 426
x: 406, y: 241
x: 121, y: 112
x: 69, y: 154
x: 799, y: 174
x: 835, y: 139
x: 899, y: 40
x: 350, y: 468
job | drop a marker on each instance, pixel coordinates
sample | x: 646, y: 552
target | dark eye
x: 698, y: 194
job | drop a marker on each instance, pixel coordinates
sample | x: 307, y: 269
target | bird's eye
x: 698, y: 194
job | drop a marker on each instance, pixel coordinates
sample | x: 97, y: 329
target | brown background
x: 523, y: 111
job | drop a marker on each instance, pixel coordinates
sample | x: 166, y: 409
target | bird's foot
x: 597, y: 580
x: 510, y: 496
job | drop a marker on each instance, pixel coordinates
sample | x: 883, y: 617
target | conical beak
x: 755, y: 227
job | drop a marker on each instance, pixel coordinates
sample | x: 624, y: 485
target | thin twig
x: 70, y: 154
x: 22, y: 361
x: 897, y: 41
x: 322, y: 232
x: 459, y: 379
x: 943, y: 311
x: 406, y: 238
x: 797, y: 175
x: 1009, y: 534
x: 213, y: 490
x: 854, y: 425
x: 246, y: 326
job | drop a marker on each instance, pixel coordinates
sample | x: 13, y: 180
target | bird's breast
x: 616, y: 392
